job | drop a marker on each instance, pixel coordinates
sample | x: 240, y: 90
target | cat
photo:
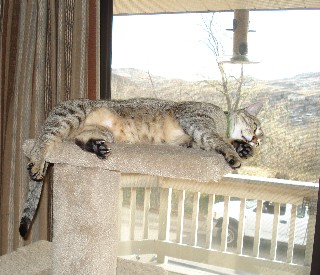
x: 95, y: 125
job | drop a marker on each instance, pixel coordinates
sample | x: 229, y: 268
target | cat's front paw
x: 243, y: 149
x: 35, y: 172
x: 233, y: 160
x: 100, y: 148
x: 231, y: 156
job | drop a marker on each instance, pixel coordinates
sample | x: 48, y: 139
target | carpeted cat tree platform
x: 86, y: 195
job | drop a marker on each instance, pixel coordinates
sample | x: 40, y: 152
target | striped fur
x: 95, y: 125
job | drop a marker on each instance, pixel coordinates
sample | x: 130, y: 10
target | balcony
x: 172, y: 233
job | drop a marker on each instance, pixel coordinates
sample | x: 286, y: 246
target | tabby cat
x: 95, y: 125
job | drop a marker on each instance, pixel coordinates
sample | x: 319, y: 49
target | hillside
x: 124, y: 80
x: 301, y: 92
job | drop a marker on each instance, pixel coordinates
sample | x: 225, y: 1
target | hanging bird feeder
x: 240, y: 38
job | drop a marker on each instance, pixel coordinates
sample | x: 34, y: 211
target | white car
x: 266, y: 225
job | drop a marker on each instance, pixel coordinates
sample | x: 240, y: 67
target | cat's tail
x: 30, y: 207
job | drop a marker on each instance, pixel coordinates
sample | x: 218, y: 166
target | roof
x: 126, y: 7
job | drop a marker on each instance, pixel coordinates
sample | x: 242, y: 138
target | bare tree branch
x: 215, y: 46
x: 239, y: 90
x: 152, y: 84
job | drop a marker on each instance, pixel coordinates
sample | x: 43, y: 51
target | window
x: 268, y: 208
x: 301, y: 211
x: 170, y: 57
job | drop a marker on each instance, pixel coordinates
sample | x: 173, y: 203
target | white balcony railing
x: 168, y: 233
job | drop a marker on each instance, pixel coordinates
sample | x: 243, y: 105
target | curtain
x: 44, y: 60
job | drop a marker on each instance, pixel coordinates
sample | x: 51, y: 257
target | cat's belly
x: 153, y: 129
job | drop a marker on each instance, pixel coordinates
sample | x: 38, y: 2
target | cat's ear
x: 254, y: 108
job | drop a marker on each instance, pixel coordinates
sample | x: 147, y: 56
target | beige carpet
x: 36, y: 259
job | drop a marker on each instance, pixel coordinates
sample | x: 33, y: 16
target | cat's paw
x: 35, y: 171
x: 233, y: 160
x: 100, y: 148
x: 243, y: 149
x: 230, y: 155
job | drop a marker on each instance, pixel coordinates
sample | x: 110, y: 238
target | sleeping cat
x: 95, y: 125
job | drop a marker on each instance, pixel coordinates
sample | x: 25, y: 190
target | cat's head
x: 244, y: 125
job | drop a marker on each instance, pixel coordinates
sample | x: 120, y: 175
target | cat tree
x: 86, y: 195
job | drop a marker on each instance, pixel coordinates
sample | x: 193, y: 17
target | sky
x: 286, y: 43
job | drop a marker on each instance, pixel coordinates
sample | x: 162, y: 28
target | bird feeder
x: 240, y: 38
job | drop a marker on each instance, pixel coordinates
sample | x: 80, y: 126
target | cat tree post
x: 85, y: 203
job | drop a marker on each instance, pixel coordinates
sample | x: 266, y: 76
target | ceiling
x: 125, y: 7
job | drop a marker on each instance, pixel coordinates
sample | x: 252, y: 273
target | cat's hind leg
x: 95, y: 139
x: 37, y: 165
